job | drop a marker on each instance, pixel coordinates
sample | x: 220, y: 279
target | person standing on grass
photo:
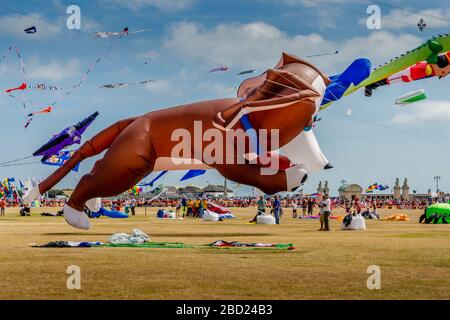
x: 294, y: 209
x: 190, y: 208
x: 196, y: 208
x: 310, y: 206
x: 2, y: 207
x: 133, y: 206
x: 178, y: 208
x: 276, y: 209
x: 304, y: 207
x: 183, y: 206
x: 325, y: 212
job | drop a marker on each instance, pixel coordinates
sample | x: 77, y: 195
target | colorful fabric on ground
x: 226, y: 244
x: 165, y: 214
x: 168, y: 245
x: 153, y: 245
x: 225, y: 216
x: 214, y: 207
x: 137, y: 236
x: 69, y: 244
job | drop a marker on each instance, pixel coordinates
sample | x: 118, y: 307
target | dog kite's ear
x: 248, y: 85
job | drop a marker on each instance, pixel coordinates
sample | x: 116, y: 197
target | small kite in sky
x: 124, y: 84
x: 28, y: 122
x: 246, y: 72
x: 65, y: 138
x: 349, y: 112
x: 42, y: 111
x: 43, y: 86
x: 224, y: 68
x: 30, y: 30
x: 323, y: 54
x: 411, y: 97
x: 125, y: 31
x: 23, y: 86
x: 421, y: 25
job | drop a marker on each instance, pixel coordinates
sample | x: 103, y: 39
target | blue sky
x: 377, y: 143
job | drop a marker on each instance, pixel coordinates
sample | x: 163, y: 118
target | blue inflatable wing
x: 162, y: 173
x: 356, y: 73
x: 112, y: 214
x: 192, y: 173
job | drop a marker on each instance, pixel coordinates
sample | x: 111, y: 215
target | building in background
x: 212, y: 190
x: 349, y: 191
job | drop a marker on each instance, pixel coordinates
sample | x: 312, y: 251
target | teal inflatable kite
x: 438, y: 213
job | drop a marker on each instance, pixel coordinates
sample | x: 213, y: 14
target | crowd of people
x: 302, y: 207
x: 305, y: 204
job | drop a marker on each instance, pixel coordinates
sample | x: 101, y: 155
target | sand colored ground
x: 414, y: 260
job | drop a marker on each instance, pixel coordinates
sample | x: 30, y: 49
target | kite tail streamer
x: 96, y: 145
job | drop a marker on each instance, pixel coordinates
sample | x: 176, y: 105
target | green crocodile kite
x: 430, y: 53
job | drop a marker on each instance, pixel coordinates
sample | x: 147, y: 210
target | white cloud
x: 89, y: 24
x: 214, y: 89
x: 160, y: 86
x: 53, y: 70
x: 423, y: 112
x: 15, y: 24
x: 164, y: 5
x: 259, y: 45
x: 327, y: 13
x: 312, y: 3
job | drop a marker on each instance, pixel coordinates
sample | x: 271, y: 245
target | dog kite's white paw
x: 76, y: 219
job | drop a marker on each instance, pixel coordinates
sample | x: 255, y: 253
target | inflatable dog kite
x: 285, y: 98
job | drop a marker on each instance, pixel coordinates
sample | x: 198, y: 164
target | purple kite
x: 65, y: 138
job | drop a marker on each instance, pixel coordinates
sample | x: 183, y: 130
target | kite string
x: 24, y: 77
x: 85, y: 75
x: 19, y: 164
x: 15, y: 160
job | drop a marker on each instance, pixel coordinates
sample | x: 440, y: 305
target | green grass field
x: 414, y: 259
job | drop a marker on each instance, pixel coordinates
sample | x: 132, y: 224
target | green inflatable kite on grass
x: 438, y: 213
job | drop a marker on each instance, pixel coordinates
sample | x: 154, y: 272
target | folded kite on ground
x: 108, y: 213
x: 69, y: 244
x: 397, y: 217
x: 165, y: 214
x: 137, y: 236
